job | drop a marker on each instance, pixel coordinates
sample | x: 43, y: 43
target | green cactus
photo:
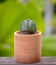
x: 28, y: 27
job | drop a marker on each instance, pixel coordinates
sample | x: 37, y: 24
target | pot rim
x: 17, y: 33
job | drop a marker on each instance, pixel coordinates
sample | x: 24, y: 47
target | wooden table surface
x: 45, y: 61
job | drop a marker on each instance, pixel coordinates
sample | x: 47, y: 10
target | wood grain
x: 44, y: 61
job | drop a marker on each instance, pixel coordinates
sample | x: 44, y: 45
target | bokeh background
x: 12, y: 12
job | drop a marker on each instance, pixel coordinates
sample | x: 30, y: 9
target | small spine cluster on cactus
x: 28, y: 27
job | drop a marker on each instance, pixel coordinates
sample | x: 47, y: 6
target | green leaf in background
x: 1, y: 1
x: 49, y: 46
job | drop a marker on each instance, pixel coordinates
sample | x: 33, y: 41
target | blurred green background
x: 12, y: 12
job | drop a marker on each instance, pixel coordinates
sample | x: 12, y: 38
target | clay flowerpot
x: 27, y: 48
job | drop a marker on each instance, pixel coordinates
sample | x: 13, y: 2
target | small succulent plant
x: 28, y: 27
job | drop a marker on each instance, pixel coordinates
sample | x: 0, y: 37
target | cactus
x: 28, y: 27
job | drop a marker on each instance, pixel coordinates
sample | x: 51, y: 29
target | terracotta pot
x: 27, y: 48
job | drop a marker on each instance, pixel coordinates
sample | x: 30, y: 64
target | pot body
x: 27, y: 48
